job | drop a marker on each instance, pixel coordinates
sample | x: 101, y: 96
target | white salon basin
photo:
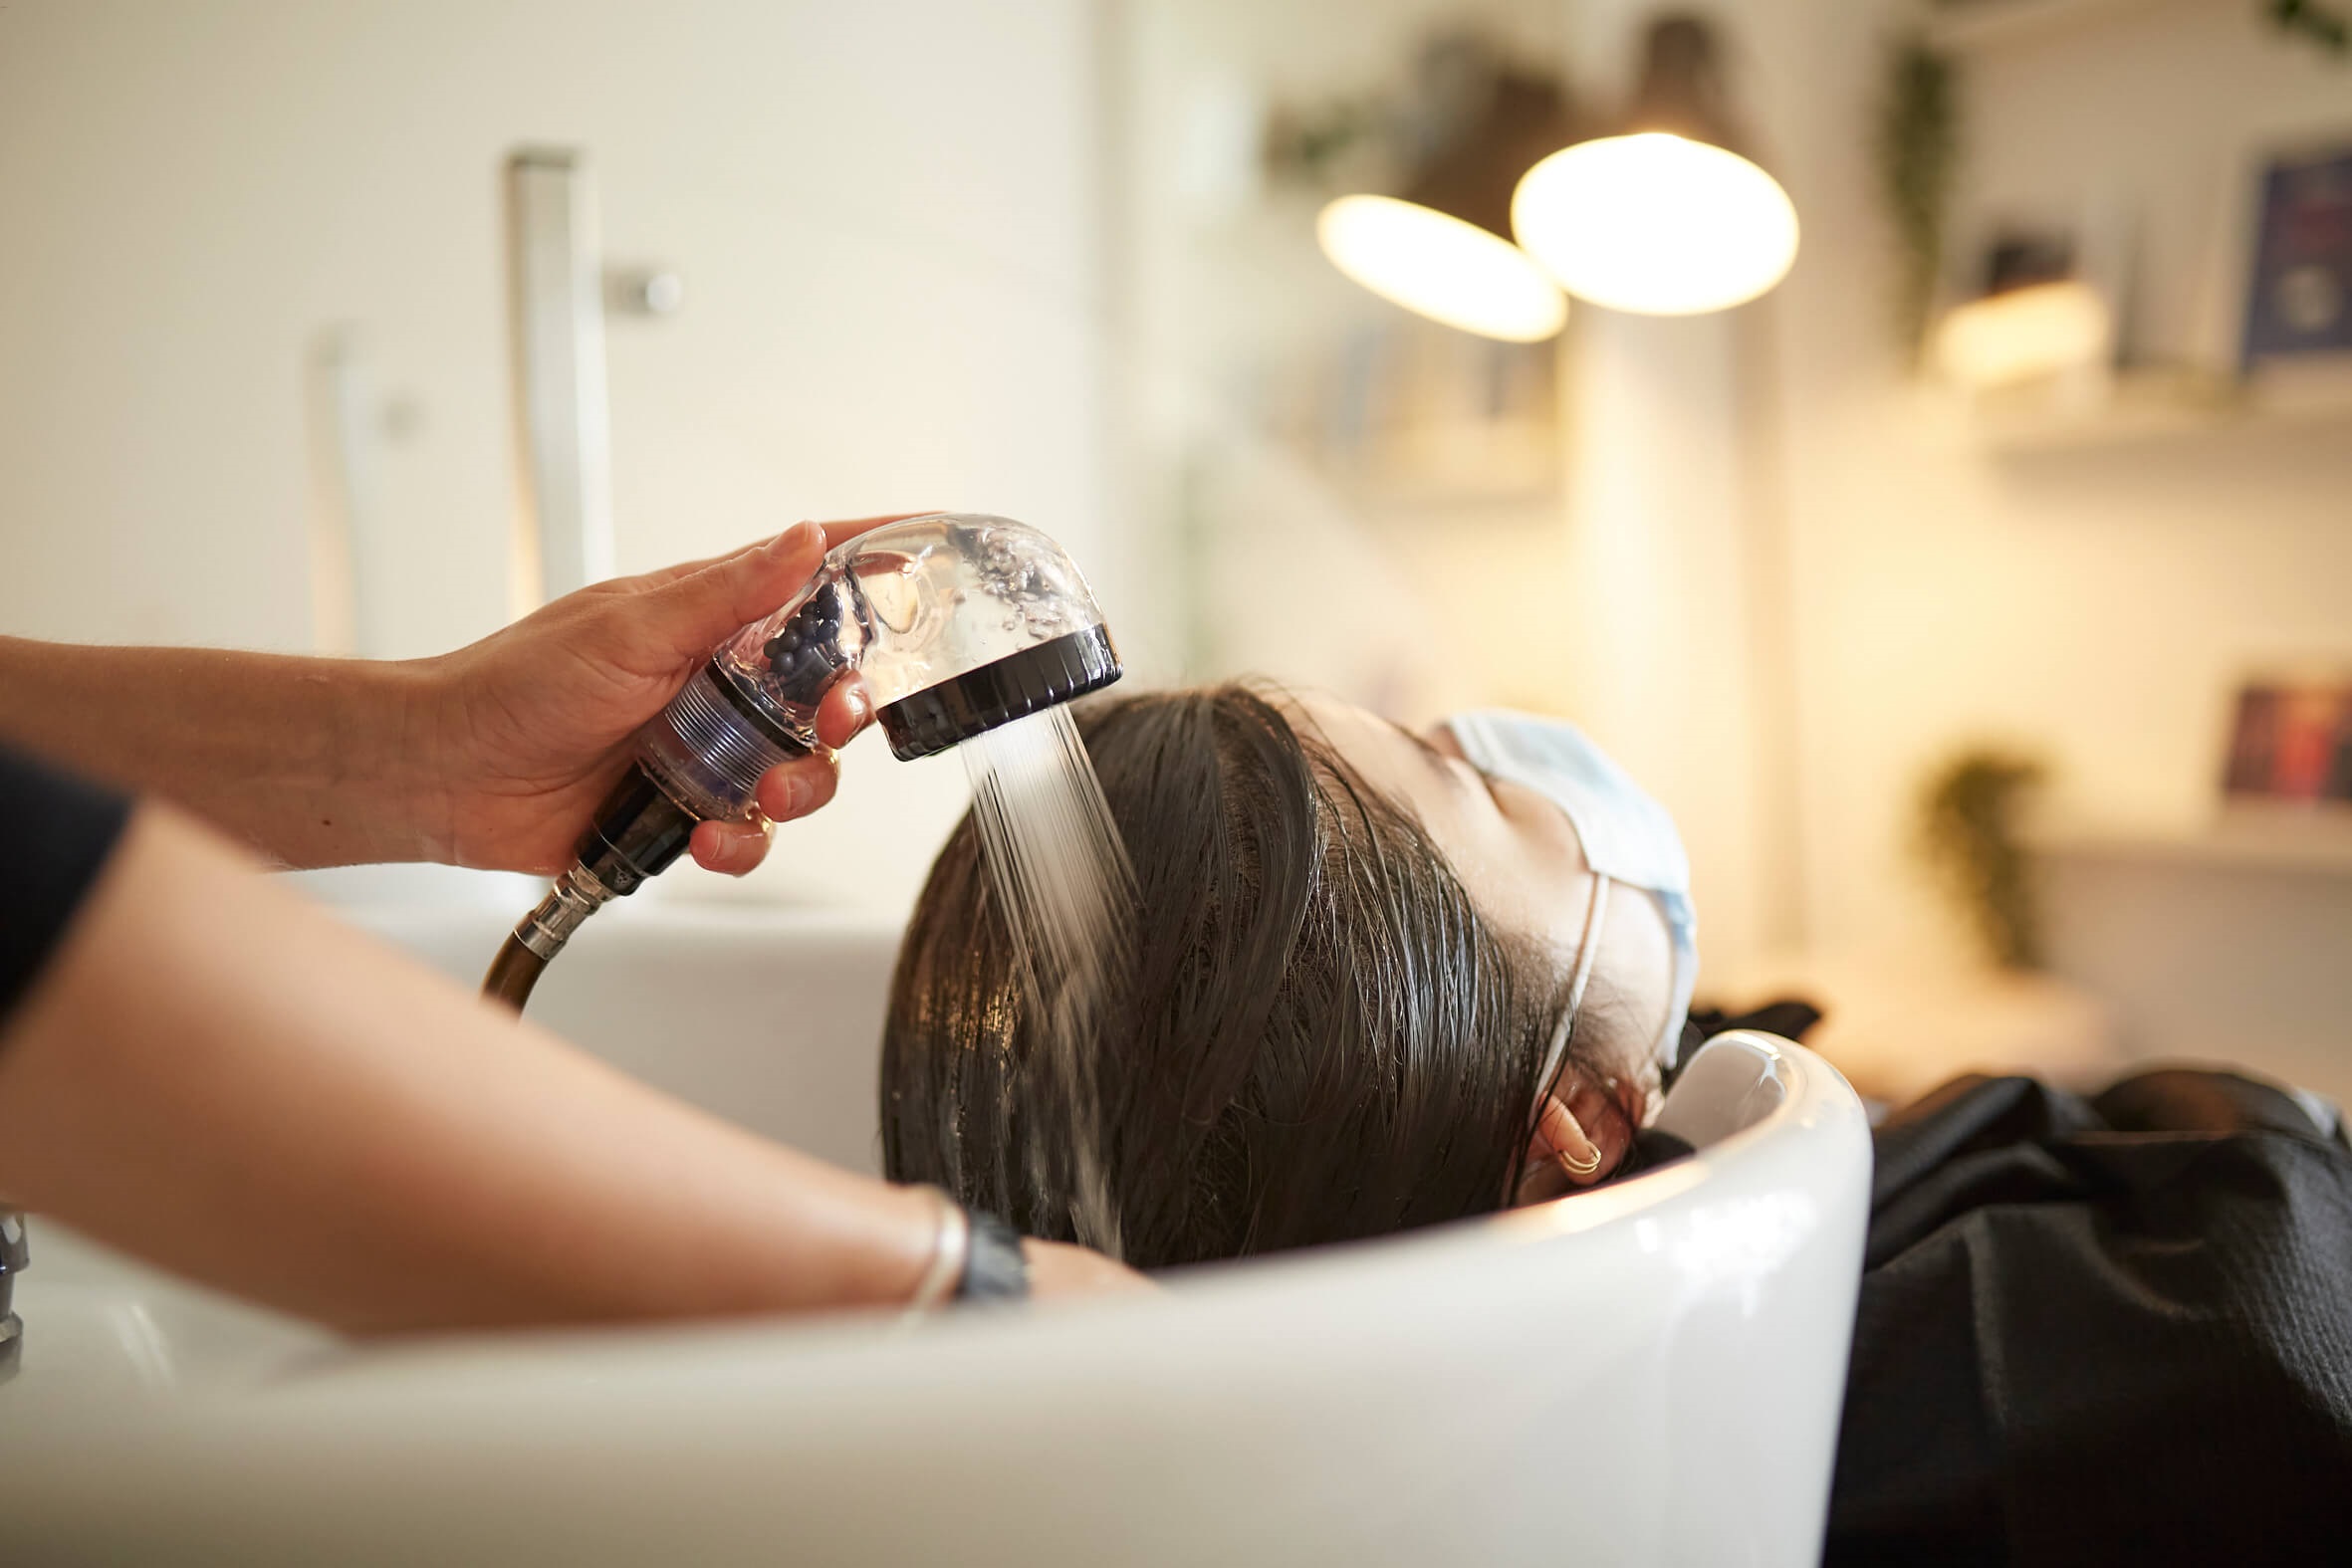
x: 1646, y: 1374
x: 769, y: 1016
x: 108, y: 1332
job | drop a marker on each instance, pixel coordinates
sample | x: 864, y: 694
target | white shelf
x: 1994, y: 24
x: 2149, y: 406
x: 2317, y: 842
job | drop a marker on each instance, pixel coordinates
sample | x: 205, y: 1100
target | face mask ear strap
x: 1587, y: 950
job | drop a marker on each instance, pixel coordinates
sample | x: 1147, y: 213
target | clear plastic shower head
x: 954, y: 623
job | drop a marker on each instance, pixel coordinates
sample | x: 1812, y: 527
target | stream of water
x: 1059, y: 873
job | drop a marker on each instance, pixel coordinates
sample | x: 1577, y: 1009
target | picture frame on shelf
x: 2290, y: 742
x: 2297, y: 308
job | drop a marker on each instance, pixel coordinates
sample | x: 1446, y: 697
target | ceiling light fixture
x: 1444, y: 248
x: 1665, y: 218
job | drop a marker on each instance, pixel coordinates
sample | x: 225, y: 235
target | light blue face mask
x: 1627, y: 838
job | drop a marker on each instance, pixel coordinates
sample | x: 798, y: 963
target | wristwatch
x: 994, y: 1268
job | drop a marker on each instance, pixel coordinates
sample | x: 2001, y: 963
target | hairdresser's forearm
x: 311, y: 762
x: 214, y: 1078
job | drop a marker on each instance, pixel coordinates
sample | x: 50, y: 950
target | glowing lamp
x: 1443, y: 247
x: 1443, y: 267
x: 1664, y: 219
x: 2024, y: 335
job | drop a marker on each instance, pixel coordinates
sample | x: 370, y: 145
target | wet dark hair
x: 1322, y: 1038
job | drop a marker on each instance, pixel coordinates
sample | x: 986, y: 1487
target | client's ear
x: 1560, y: 1155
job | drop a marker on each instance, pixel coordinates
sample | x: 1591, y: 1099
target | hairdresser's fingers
x: 695, y: 612
x: 849, y: 528
x: 797, y: 788
x: 834, y: 534
x: 663, y: 577
x: 699, y: 608
x: 845, y: 710
x: 731, y: 848
x: 1058, y: 1269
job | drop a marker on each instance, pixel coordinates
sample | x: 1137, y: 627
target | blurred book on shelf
x: 2299, y: 295
x: 2290, y: 744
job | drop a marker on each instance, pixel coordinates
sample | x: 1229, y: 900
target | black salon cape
x: 2106, y: 1330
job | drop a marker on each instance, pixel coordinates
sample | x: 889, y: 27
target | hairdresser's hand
x: 532, y: 724
x: 1059, y: 1269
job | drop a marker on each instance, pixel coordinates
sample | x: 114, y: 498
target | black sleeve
x: 56, y: 831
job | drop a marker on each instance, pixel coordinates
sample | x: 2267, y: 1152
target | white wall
x: 888, y: 215
x: 1225, y: 296
x: 2094, y: 605
x: 1619, y: 599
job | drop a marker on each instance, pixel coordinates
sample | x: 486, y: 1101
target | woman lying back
x: 1374, y: 986
x: 1377, y: 987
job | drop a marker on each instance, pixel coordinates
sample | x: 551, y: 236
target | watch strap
x: 994, y: 1268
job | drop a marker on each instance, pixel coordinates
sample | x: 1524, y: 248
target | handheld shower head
x: 954, y: 623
